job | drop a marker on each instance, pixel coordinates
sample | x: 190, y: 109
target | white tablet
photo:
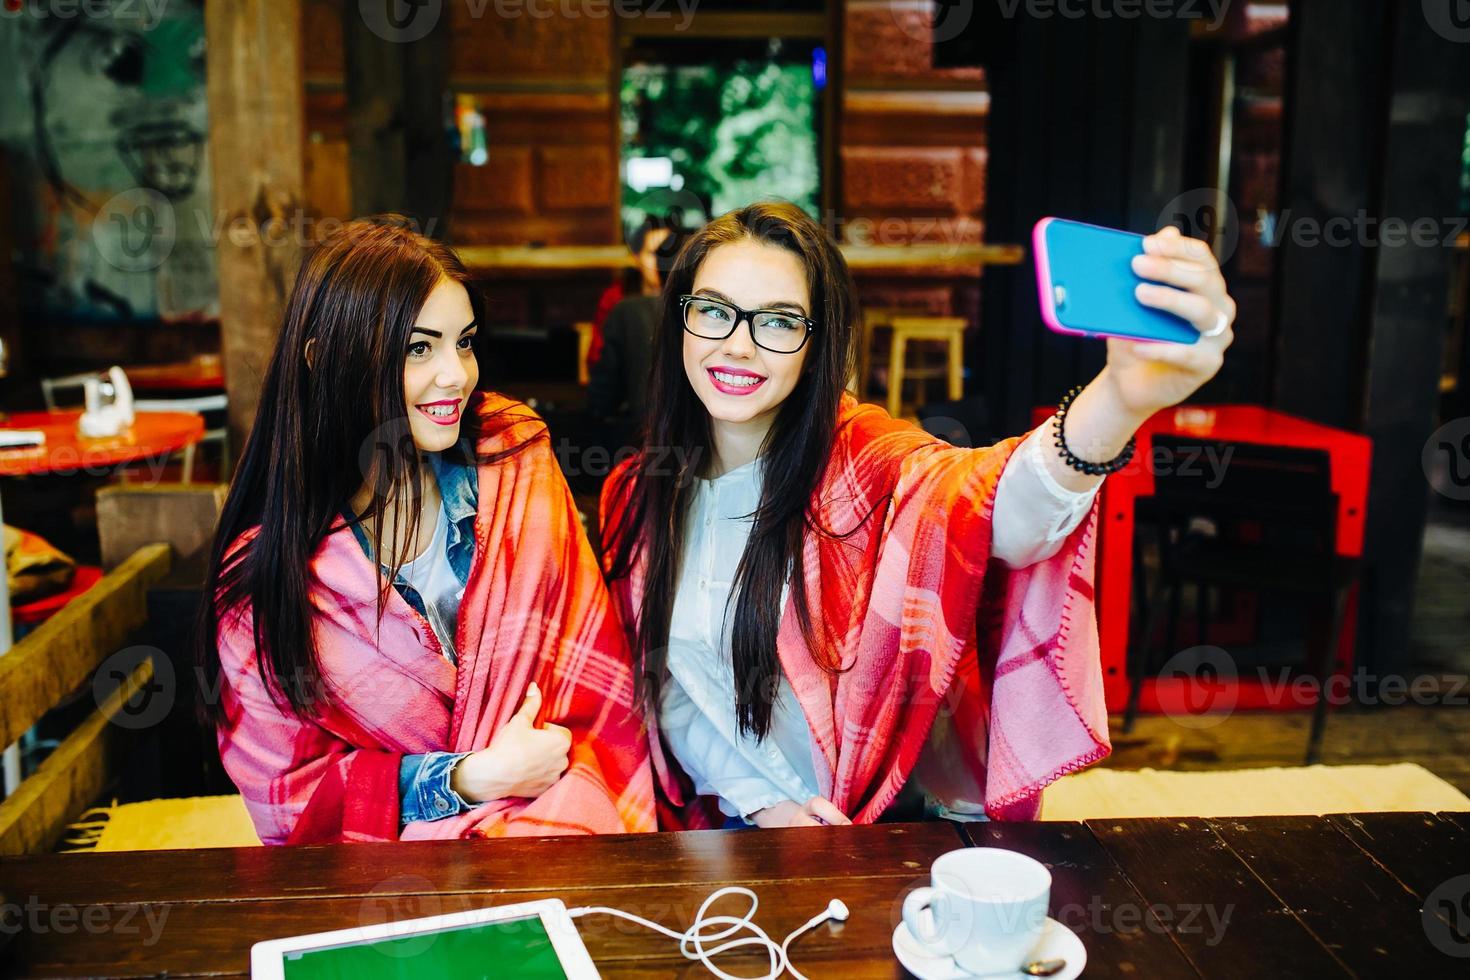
x: 534, y: 940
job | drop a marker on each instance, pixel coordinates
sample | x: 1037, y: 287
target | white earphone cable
x: 692, y: 940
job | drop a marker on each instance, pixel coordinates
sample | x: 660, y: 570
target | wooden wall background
x: 912, y: 157
x: 907, y: 156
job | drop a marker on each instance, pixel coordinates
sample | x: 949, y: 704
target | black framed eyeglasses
x: 778, y: 331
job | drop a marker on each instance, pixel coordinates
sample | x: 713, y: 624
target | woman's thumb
x: 531, y: 707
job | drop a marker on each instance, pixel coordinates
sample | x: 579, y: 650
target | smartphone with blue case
x: 1085, y: 277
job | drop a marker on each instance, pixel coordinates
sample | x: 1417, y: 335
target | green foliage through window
x: 722, y: 134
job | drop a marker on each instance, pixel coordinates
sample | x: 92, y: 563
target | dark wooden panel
x: 561, y: 48
x: 322, y: 23
x: 1182, y: 864
x: 255, y: 151
x: 1420, y: 850
x: 888, y: 42
x: 708, y: 857
x: 196, y: 938
x: 868, y: 118
x: 1354, y: 907
x: 1091, y: 896
x: 546, y: 118
x: 1263, y: 878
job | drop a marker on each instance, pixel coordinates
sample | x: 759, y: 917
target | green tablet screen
x: 513, y: 948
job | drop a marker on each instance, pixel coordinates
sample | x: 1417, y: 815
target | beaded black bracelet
x: 1077, y: 463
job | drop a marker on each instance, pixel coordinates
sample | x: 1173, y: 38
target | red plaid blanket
x: 535, y: 608
x: 904, y: 596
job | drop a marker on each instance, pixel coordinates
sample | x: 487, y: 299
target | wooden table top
x: 152, y: 434
x: 1187, y: 897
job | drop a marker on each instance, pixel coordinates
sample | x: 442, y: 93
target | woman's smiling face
x: 439, y: 369
x: 737, y: 381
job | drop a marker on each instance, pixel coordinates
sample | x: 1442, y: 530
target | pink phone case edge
x: 1043, y: 282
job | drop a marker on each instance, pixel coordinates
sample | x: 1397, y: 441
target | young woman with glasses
x: 833, y: 614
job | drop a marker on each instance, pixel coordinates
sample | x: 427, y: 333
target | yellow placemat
x: 1101, y: 793
x: 155, y: 825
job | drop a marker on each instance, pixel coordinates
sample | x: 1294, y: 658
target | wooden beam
x: 968, y: 103
x: 933, y: 258
x: 762, y: 25
x: 34, y: 817
x: 62, y: 652
x: 256, y: 131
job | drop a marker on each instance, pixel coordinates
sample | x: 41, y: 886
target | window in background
x: 708, y: 126
x: 1465, y: 172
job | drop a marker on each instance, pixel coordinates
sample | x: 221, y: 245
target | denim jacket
x: 424, y: 779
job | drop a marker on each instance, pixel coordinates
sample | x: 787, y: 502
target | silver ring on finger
x: 1222, y: 323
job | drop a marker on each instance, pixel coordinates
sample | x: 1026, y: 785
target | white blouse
x: 433, y: 578
x: 1033, y: 515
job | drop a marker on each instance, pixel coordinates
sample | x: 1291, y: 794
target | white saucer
x: 1057, y: 942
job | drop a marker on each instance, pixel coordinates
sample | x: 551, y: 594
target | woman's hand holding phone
x: 1141, y: 377
x: 1184, y: 279
x: 521, y: 760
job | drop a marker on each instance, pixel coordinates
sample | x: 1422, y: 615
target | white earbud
x: 692, y: 940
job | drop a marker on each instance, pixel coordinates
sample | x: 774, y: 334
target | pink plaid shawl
x: 535, y: 608
x: 900, y: 591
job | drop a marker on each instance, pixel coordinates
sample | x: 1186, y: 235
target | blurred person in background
x: 618, y: 385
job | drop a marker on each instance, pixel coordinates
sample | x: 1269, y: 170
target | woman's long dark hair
x: 321, y: 431
x: 657, y: 493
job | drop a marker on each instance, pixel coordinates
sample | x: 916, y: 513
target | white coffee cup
x: 986, y: 907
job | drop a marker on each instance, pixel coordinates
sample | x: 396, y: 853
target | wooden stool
x: 875, y: 318
x: 950, y: 329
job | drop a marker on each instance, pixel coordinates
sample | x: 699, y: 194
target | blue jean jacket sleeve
x: 423, y: 787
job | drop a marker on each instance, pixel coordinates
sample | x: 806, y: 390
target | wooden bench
x: 46, y: 667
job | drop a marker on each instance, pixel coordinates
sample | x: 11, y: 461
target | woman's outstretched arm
x: 1141, y: 378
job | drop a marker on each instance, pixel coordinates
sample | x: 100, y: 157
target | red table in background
x: 152, y: 434
x: 1349, y: 454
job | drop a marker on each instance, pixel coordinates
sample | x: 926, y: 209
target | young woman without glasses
x: 410, y: 635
